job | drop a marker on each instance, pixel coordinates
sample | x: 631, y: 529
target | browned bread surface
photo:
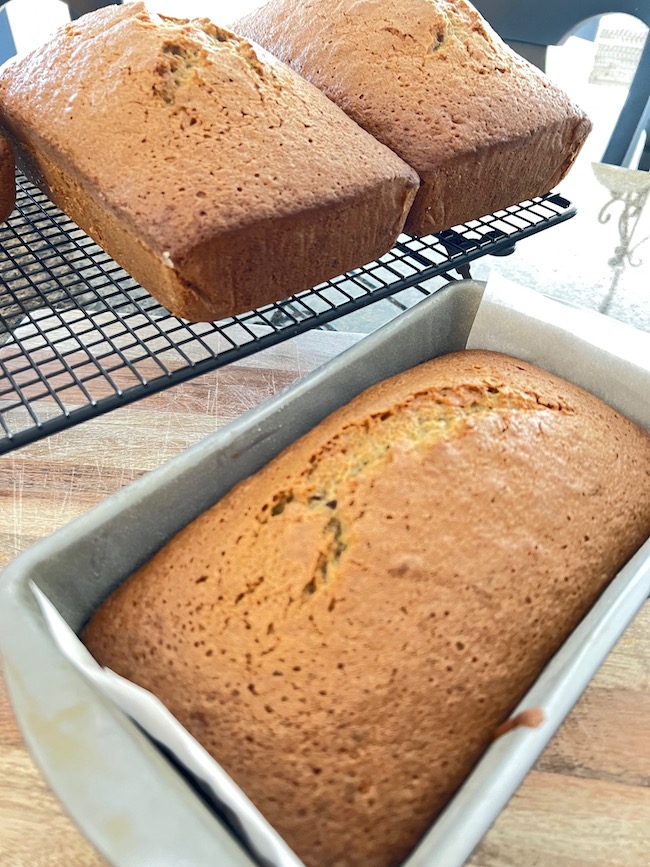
x: 483, y: 128
x: 7, y: 179
x: 345, y: 630
x: 215, y: 175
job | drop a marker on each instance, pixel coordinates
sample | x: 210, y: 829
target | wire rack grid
x: 79, y: 337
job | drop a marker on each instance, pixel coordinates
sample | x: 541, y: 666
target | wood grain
x: 586, y: 803
x: 34, y: 830
x: 570, y: 822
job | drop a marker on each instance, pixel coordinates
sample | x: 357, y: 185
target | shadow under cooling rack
x: 79, y: 337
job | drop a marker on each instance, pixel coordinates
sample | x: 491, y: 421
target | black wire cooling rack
x: 79, y: 337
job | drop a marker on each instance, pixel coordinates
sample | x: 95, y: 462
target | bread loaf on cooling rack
x: 216, y: 176
x: 345, y: 630
x: 483, y: 128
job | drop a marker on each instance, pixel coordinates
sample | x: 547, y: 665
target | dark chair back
x: 550, y: 22
x: 80, y: 7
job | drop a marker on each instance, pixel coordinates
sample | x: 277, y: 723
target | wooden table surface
x: 587, y: 801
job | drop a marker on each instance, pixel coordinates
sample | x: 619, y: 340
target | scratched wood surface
x: 587, y: 802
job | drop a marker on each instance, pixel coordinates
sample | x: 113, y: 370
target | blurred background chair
x: 531, y: 26
x: 80, y: 7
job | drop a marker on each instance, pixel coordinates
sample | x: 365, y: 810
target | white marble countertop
x: 601, y: 257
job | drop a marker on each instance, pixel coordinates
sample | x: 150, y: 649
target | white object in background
x: 33, y: 21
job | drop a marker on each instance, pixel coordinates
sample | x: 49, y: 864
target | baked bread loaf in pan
x: 215, y: 175
x: 483, y: 128
x: 7, y: 179
x: 346, y: 629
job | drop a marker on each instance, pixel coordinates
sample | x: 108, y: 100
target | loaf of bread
x: 216, y: 176
x: 482, y: 127
x: 7, y: 179
x: 345, y: 630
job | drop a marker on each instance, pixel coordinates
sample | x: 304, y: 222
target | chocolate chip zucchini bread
x: 345, y: 630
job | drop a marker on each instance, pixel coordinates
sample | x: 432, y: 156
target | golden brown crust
x: 217, y: 176
x: 346, y: 629
x: 7, y: 179
x: 483, y: 128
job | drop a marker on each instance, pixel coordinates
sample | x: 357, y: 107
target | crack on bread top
x: 189, y: 48
x: 363, y: 447
x: 420, y: 420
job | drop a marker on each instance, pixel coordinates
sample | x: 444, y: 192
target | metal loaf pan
x: 126, y: 797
